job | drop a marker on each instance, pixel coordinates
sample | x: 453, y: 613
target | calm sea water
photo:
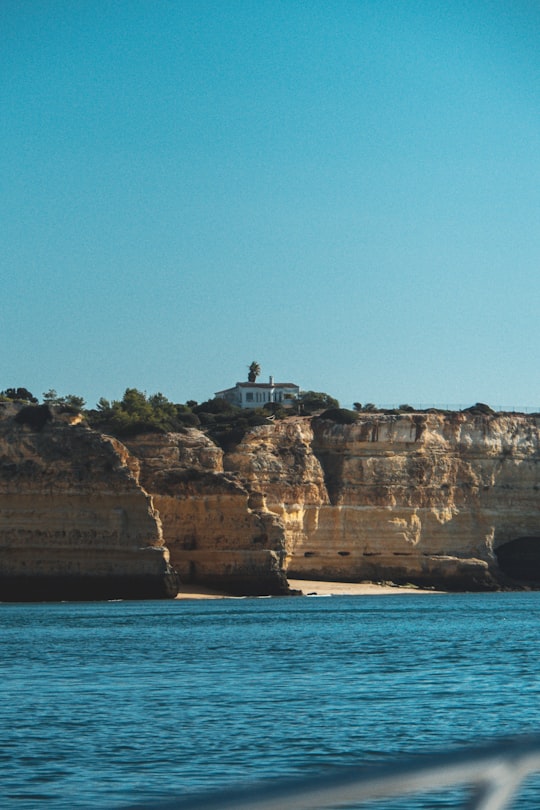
x: 106, y: 704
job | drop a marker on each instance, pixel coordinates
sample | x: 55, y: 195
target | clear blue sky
x: 346, y: 192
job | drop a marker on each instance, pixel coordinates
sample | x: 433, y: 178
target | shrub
x: 228, y: 438
x: 35, y: 416
x: 189, y: 419
x: 216, y: 405
x: 311, y: 401
x: 206, y: 419
x: 480, y: 409
x: 18, y: 395
x: 228, y: 429
x: 341, y: 416
x: 137, y: 413
x: 72, y: 401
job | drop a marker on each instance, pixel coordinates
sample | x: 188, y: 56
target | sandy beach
x: 315, y: 588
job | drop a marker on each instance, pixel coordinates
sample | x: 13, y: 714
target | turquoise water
x: 106, y: 704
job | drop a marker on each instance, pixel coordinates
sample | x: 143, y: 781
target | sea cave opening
x: 520, y: 558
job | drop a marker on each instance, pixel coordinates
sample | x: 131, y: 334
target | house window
x: 249, y: 396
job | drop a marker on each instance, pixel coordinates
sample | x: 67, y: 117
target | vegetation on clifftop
x: 226, y: 424
x: 138, y: 413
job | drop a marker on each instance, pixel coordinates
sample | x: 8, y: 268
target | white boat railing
x: 492, y: 776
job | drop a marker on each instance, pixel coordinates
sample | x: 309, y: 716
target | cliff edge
x: 447, y: 500
x: 74, y: 521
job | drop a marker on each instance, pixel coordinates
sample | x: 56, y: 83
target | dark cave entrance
x: 520, y: 558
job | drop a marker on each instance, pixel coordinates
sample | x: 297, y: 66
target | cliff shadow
x: 332, y: 465
x: 519, y: 559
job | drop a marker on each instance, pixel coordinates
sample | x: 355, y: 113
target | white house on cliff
x: 255, y: 395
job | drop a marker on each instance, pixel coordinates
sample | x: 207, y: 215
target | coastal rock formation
x: 437, y: 499
x: 74, y: 521
x: 218, y: 530
x: 426, y: 498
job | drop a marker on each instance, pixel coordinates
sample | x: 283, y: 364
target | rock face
x: 448, y: 500
x: 74, y: 521
x: 435, y: 499
x: 428, y: 498
x: 217, y: 528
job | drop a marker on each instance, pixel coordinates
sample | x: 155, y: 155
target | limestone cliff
x: 436, y: 499
x: 74, y: 521
x: 431, y: 498
x: 441, y: 499
x: 445, y: 499
x: 217, y: 527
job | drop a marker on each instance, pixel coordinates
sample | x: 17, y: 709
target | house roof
x: 265, y: 385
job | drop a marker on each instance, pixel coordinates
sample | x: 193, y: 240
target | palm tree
x: 254, y: 371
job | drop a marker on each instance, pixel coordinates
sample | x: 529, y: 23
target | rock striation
x: 434, y: 499
x: 438, y: 499
x: 74, y: 521
x: 217, y: 527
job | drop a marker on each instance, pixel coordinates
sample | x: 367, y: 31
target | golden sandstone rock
x: 74, y: 521
x: 429, y: 498
x: 437, y: 499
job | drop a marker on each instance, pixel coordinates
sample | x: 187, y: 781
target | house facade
x: 256, y: 395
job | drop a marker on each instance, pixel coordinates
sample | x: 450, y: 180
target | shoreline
x: 310, y: 587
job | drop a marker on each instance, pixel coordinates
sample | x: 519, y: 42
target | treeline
x: 138, y: 413
x: 49, y: 398
x: 225, y: 423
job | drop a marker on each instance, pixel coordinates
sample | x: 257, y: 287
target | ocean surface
x: 108, y: 704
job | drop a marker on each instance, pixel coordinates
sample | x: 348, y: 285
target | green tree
x: 138, y: 413
x: 73, y: 401
x: 50, y: 397
x: 18, y: 394
x: 480, y: 409
x: 254, y: 371
x: 215, y: 405
x: 341, y: 416
x: 311, y: 401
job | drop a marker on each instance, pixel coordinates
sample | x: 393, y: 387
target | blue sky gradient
x: 346, y: 192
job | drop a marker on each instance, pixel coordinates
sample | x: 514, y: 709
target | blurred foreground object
x: 493, y: 775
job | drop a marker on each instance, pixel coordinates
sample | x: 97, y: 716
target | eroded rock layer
x: 217, y: 528
x: 448, y: 500
x: 74, y: 521
x: 434, y: 499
